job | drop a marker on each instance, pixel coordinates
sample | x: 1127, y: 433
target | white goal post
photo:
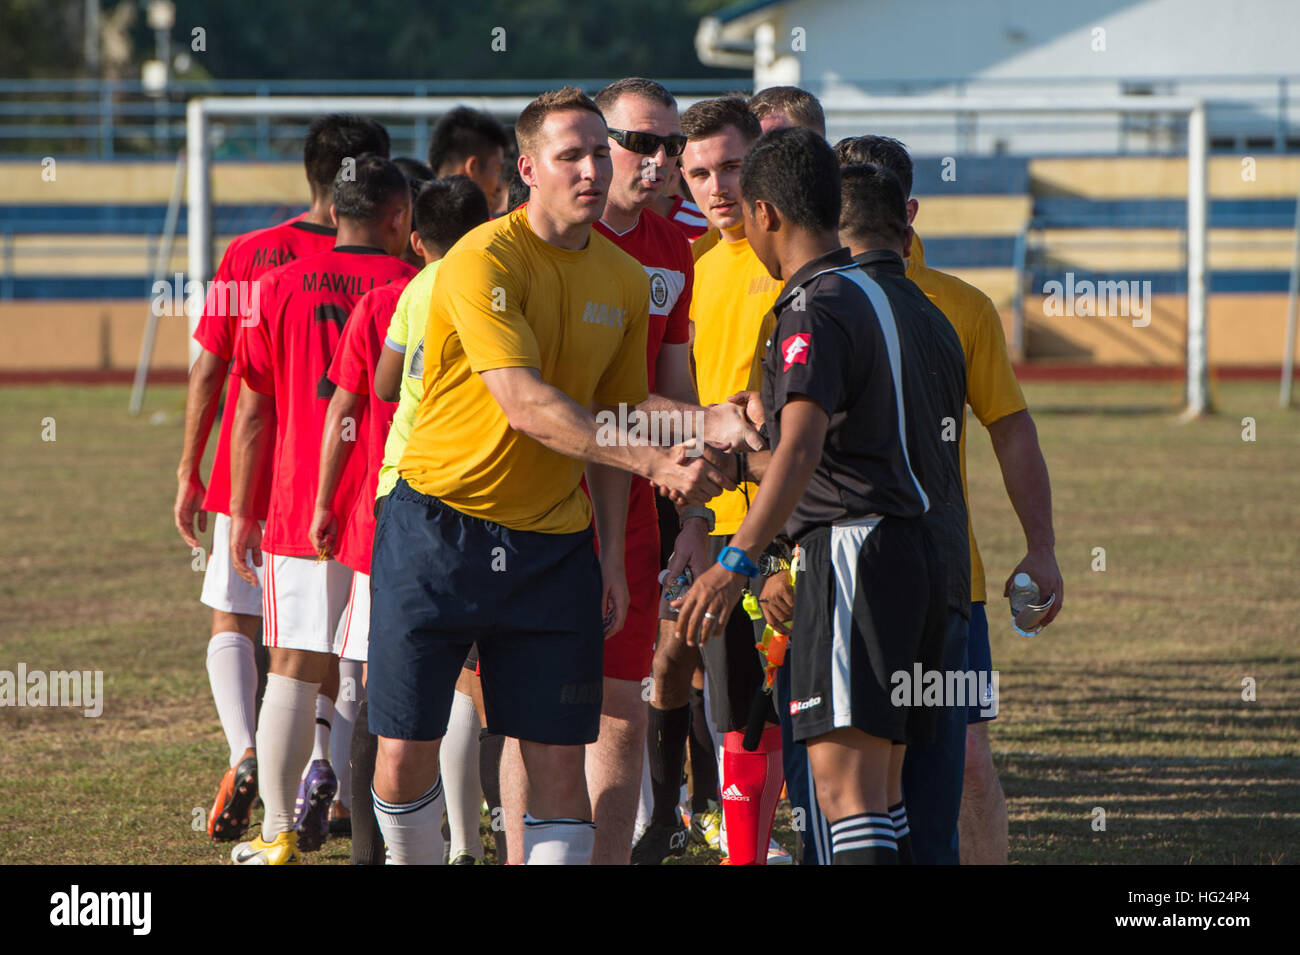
x: 861, y: 112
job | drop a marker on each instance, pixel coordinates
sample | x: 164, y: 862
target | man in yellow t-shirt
x: 994, y: 396
x: 534, y: 321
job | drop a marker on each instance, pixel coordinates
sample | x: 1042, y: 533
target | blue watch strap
x: 734, y: 559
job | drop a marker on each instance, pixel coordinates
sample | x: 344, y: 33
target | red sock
x: 751, y: 787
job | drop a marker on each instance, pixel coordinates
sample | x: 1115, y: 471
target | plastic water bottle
x: 1026, y: 611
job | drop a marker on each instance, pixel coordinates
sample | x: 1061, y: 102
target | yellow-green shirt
x: 507, y: 299
x: 992, y: 390
x: 407, y: 336
x: 731, y: 307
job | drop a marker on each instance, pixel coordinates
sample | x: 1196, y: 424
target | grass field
x: 1132, y: 701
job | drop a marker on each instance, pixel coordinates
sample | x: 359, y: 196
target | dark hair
x: 516, y: 191
x: 710, y: 116
x: 416, y: 173
x: 794, y: 169
x: 879, y: 151
x: 634, y: 86
x: 335, y: 137
x: 447, y: 208
x: 800, y: 105
x: 364, y: 194
x: 874, y: 203
x: 530, y: 120
x: 463, y: 133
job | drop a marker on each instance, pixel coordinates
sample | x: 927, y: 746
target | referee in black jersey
x: 841, y: 482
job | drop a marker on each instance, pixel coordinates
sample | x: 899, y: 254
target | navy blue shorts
x: 441, y: 581
x: 980, y: 659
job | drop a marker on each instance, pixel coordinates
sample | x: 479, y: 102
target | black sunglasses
x: 647, y: 144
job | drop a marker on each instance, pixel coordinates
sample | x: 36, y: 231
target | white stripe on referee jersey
x: 885, y: 315
x: 846, y: 542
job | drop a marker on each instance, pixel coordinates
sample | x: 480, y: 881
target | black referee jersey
x: 836, y: 343
x: 934, y: 388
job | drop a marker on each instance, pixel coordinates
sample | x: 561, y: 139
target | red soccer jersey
x: 353, y: 369
x: 666, y: 257
x: 687, y: 216
x: 248, y: 257
x: 286, y: 353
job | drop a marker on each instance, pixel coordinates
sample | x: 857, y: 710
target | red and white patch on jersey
x: 795, y: 349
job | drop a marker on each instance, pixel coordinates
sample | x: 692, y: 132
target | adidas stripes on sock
x: 324, y: 717
x: 864, y: 839
x: 902, y: 833
x: 459, y: 760
x: 751, y: 789
x: 666, y: 735
x: 367, y: 843
x: 558, y: 841
x: 232, y: 672
x: 412, y: 830
x: 283, y: 745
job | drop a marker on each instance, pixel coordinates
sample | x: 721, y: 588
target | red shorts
x: 630, y: 652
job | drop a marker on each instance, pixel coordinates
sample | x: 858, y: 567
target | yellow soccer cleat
x: 283, y: 851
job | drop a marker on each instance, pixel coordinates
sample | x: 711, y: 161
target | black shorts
x: 471, y: 659
x: 442, y: 581
x: 731, y: 663
x: 863, y: 608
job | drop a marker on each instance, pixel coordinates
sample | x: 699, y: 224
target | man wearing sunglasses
x: 645, y: 137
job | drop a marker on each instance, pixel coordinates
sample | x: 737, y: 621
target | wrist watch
x: 706, y: 513
x: 735, y: 560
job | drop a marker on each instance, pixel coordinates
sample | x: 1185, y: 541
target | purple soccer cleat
x: 312, y: 812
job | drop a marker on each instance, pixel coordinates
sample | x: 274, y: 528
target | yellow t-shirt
x: 408, y: 336
x: 731, y: 306
x: 507, y: 299
x: 992, y: 390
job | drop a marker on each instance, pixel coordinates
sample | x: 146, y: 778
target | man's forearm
x: 1024, y: 473
x: 250, y: 439
x: 202, y: 398
x: 787, y: 476
x: 334, y: 450
x: 552, y: 418
x: 609, y: 489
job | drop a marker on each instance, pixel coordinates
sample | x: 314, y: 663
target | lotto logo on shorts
x: 799, y: 706
x: 795, y: 349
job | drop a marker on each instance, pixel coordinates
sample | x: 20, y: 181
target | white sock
x: 458, y: 759
x: 232, y: 671
x: 412, y: 830
x: 324, y: 717
x: 351, y: 693
x: 558, y: 841
x: 283, y: 744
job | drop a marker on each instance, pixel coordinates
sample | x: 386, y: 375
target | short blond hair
x: 530, y: 120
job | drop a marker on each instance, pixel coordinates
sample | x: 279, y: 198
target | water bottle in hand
x: 1026, y: 611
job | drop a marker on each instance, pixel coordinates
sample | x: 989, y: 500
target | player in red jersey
x: 237, y: 605
x: 472, y: 142
x: 284, y: 357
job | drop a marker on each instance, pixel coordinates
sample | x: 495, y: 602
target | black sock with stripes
x: 864, y: 839
x: 666, y: 738
x: 902, y: 833
x: 489, y: 772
